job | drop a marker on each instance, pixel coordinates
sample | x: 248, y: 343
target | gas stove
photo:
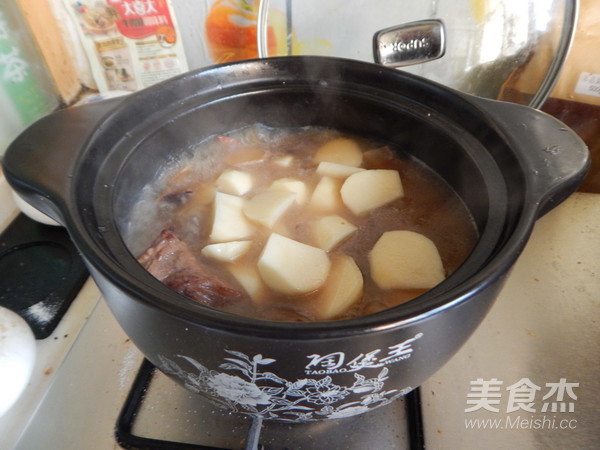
x: 528, y: 378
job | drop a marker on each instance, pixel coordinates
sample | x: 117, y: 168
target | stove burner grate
x: 128, y: 438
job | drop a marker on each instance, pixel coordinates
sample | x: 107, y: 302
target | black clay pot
x: 85, y: 167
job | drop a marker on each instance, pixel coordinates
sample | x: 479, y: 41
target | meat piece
x: 171, y: 261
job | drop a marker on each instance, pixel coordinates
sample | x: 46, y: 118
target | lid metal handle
x: 410, y: 43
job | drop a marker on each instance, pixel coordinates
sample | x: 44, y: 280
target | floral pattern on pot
x: 246, y: 386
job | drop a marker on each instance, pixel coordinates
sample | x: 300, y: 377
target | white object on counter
x: 17, y: 357
x: 8, y: 209
x: 31, y: 212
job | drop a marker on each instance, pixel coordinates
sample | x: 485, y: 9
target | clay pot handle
x: 554, y: 157
x: 39, y: 164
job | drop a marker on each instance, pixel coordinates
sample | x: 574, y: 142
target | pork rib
x: 170, y: 260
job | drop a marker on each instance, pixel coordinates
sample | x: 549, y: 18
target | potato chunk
x: 229, y: 223
x: 404, y: 259
x: 227, y: 251
x: 370, y: 189
x: 284, y: 160
x: 250, y: 280
x: 292, y: 185
x: 344, y: 288
x: 341, y: 151
x: 291, y: 267
x: 326, y: 196
x: 329, y: 169
x: 329, y: 231
x: 234, y: 182
x: 267, y: 207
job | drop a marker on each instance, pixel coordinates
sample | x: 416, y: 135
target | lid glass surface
x: 502, y: 49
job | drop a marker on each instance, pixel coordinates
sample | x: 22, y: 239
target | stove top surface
x: 42, y: 273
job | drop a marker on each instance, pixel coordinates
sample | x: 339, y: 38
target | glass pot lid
x: 501, y: 49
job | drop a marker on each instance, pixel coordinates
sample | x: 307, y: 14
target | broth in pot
x: 300, y: 224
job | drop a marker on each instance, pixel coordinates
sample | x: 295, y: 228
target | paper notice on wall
x: 588, y: 84
x: 131, y: 44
